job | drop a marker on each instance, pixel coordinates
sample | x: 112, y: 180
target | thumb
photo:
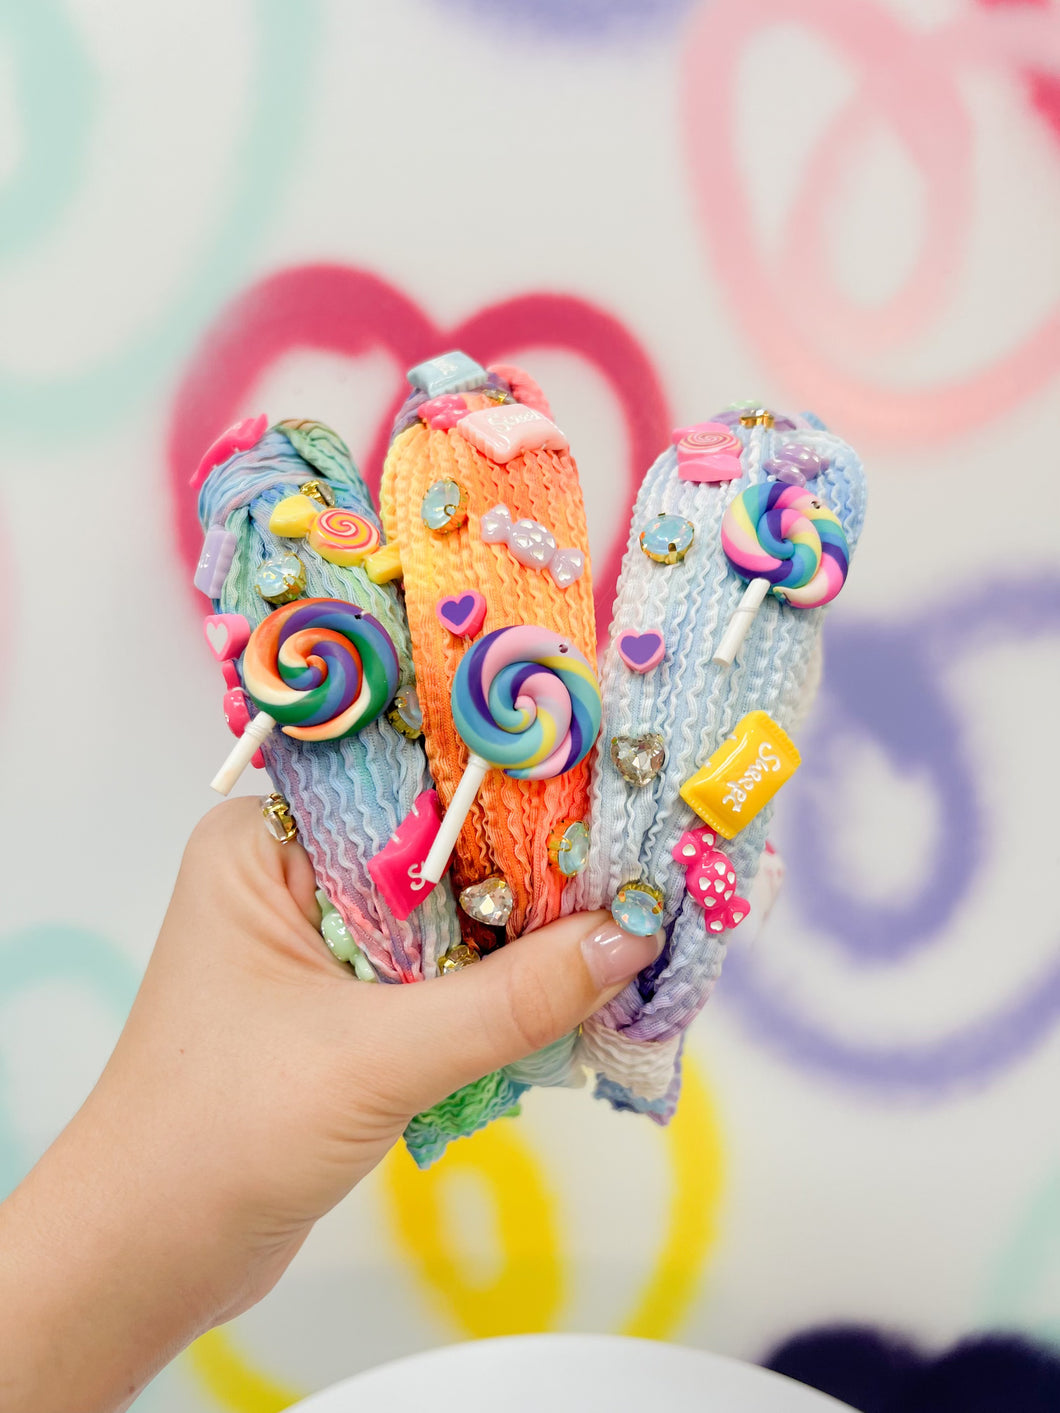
x: 459, y: 1027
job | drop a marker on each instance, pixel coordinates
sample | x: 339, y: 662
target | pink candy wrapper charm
x: 237, y: 715
x: 710, y: 879
x: 708, y: 452
x: 396, y: 868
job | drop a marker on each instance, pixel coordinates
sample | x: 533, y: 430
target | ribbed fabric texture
x: 508, y: 829
x: 347, y: 796
x: 694, y: 705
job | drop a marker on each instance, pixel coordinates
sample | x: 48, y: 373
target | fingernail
x: 613, y: 955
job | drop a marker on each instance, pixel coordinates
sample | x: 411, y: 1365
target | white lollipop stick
x: 741, y: 620
x: 434, y: 865
x: 242, y: 753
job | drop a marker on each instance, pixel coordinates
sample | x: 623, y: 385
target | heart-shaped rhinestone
x: 490, y: 901
x: 638, y: 759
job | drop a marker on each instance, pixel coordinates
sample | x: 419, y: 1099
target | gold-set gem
x: 756, y: 417
x: 458, y: 956
x: 278, y: 818
x: 444, y: 507
x: 318, y: 491
x: 488, y: 902
x: 638, y: 907
x: 405, y: 715
x: 568, y: 846
x: 281, y: 579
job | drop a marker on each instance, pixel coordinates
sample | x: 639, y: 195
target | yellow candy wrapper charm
x: 293, y: 516
x: 742, y: 775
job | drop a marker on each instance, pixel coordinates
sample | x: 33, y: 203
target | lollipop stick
x: 434, y: 865
x: 242, y: 753
x: 741, y: 620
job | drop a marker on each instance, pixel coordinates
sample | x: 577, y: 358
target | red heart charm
x: 340, y: 309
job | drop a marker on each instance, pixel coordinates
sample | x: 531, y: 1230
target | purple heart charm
x: 641, y: 651
x: 462, y: 614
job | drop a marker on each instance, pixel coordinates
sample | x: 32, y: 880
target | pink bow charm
x: 711, y: 879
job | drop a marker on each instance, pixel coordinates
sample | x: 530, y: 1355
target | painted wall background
x: 214, y: 209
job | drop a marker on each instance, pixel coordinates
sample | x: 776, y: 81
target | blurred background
x: 657, y: 206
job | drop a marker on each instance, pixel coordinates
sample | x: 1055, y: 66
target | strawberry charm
x: 711, y: 879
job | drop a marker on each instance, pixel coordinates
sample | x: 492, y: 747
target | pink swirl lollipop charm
x: 783, y: 540
x: 525, y: 700
x: 708, y: 452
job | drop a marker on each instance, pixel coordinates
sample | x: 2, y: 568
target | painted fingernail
x: 613, y: 955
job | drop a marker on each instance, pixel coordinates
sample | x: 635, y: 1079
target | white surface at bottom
x: 564, y: 1373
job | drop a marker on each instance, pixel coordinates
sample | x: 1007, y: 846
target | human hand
x: 256, y: 1082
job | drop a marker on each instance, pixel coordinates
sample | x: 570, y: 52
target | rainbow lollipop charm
x: 321, y: 669
x: 525, y: 700
x: 783, y: 540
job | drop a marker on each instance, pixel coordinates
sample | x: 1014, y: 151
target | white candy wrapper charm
x: 741, y: 620
x: 436, y: 862
x: 242, y: 753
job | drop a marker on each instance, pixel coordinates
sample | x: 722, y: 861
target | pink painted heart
x: 462, y: 614
x: 344, y: 310
x: 227, y: 634
x: 642, y: 651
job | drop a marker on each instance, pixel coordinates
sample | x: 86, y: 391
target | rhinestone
x: 281, y: 580
x: 278, y: 818
x: 458, y: 956
x: 444, y: 507
x: 490, y: 901
x: 667, y: 538
x: 638, y: 759
x: 319, y: 491
x: 405, y: 714
x: 756, y: 417
x: 638, y: 907
x: 568, y: 847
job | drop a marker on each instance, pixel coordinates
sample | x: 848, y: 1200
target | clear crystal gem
x: 458, y: 956
x: 281, y: 579
x: 638, y: 759
x: 490, y: 901
x: 405, y: 714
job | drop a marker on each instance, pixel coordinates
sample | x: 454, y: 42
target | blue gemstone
x: 667, y: 538
x: 572, y: 853
x: 637, y: 910
x: 444, y: 507
x: 448, y: 373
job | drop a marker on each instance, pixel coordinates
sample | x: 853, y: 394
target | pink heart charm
x: 641, y: 651
x: 227, y: 634
x: 462, y: 614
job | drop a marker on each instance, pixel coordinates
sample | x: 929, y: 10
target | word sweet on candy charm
x: 524, y: 700
x: 505, y: 432
x: 710, y: 879
x: 782, y: 540
x: 322, y: 668
x: 742, y: 775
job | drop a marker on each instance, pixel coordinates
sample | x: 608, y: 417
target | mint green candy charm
x: 341, y: 944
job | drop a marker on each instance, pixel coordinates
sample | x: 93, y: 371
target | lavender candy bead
x: 795, y: 463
